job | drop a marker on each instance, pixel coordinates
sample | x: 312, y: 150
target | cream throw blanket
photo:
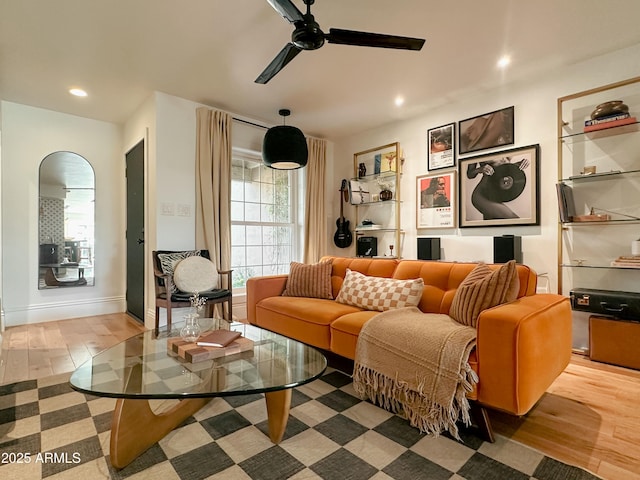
x: 416, y: 364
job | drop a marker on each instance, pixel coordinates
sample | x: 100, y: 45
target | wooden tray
x: 191, y: 352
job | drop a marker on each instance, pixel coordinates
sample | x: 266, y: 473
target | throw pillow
x: 312, y: 281
x: 195, y: 274
x: 482, y: 289
x: 379, y: 293
x: 168, y: 262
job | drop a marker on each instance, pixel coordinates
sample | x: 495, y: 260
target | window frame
x: 296, y: 208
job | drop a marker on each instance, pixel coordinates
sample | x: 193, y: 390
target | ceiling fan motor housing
x: 307, y: 35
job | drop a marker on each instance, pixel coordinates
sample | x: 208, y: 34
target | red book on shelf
x: 614, y: 123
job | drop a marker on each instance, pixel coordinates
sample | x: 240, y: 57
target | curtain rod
x: 249, y: 123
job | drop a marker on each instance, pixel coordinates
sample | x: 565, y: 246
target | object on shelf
x: 386, y: 195
x: 359, y: 192
x: 606, y: 302
x: 607, y: 109
x: 368, y: 225
x: 602, y: 217
x: 362, y: 170
x: 611, y: 118
x: 566, y: 204
x: 610, y: 124
x: 627, y: 261
x: 367, y: 247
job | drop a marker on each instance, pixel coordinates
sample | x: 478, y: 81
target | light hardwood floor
x: 589, y: 417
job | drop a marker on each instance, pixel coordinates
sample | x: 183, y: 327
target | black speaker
x: 367, y: 247
x: 507, y: 247
x: 429, y: 248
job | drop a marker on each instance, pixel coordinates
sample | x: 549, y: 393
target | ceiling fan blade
x: 287, y: 54
x: 287, y: 9
x: 365, y: 39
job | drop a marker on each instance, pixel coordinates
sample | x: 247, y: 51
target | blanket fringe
x: 398, y: 397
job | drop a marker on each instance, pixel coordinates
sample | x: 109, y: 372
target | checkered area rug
x: 47, y: 430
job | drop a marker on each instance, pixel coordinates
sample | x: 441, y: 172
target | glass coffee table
x: 142, y: 368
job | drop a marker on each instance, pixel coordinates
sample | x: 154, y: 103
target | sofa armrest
x: 263, y: 287
x: 522, y: 347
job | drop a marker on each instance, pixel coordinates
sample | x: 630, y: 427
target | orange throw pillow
x: 312, y: 280
x: 483, y: 289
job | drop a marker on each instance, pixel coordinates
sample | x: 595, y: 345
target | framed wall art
x: 441, y: 147
x: 435, y: 201
x: 500, y: 188
x: 493, y: 129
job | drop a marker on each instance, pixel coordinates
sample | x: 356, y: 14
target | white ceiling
x: 211, y: 51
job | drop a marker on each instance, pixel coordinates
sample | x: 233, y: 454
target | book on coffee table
x: 217, y: 338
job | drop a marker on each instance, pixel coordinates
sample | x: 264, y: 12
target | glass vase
x: 191, y: 330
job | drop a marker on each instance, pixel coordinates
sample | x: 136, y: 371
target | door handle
x: 140, y: 241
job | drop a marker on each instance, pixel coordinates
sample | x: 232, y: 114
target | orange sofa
x: 522, y: 346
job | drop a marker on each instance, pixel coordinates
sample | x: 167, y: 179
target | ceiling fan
x: 308, y: 36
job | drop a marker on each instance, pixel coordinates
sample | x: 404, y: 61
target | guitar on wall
x: 343, y: 238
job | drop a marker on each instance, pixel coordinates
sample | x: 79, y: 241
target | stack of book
x: 616, y: 120
x: 214, y: 344
x: 627, y: 262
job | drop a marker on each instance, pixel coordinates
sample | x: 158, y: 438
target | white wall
x: 28, y: 135
x: 535, y: 122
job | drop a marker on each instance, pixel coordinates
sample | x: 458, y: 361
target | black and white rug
x: 47, y: 430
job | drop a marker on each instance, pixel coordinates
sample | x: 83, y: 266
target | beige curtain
x: 315, y: 224
x: 213, y: 184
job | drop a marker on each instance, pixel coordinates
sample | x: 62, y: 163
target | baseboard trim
x: 51, y: 311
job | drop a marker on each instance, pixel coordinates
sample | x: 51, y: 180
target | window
x: 265, y: 228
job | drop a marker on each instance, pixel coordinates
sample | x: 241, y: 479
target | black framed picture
x: 441, y: 147
x: 500, y: 188
x: 493, y: 129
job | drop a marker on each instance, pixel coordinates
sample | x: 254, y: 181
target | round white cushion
x: 195, y: 274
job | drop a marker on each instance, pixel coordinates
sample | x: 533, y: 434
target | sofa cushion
x: 313, y: 281
x: 378, y: 293
x: 305, y: 319
x: 482, y: 289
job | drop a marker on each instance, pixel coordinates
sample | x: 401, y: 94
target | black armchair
x: 168, y: 296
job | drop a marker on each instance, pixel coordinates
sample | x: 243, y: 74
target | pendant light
x: 284, y: 147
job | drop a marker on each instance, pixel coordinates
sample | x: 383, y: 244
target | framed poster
x: 435, y: 201
x: 359, y: 192
x: 441, y: 147
x: 500, y: 188
x: 493, y: 129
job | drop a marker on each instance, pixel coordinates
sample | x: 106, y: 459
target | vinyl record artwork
x: 507, y: 183
x: 501, y: 188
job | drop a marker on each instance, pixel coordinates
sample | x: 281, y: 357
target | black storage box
x: 624, y: 305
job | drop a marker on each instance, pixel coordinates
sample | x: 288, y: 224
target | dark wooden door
x: 135, y: 231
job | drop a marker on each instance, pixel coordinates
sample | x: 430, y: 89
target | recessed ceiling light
x: 78, y: 92
x: 504, y: 61
x: 399, y: 101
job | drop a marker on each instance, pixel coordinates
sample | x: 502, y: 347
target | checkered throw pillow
x: 379, y: 293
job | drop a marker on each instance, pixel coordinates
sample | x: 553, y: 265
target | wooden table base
x: 135, y: 428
